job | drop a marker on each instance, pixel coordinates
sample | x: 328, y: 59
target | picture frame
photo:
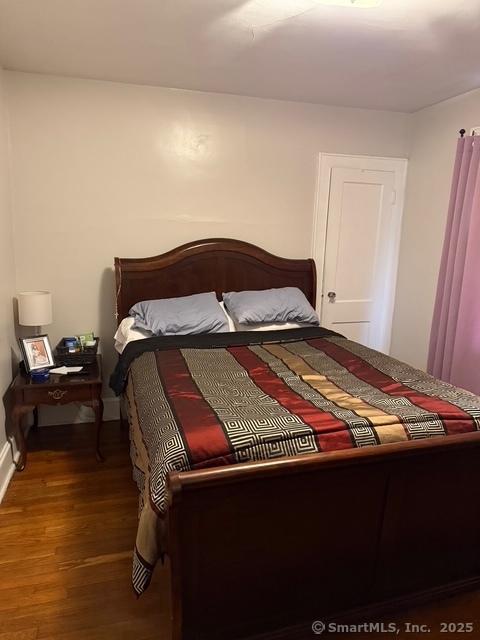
x: 37, y: 353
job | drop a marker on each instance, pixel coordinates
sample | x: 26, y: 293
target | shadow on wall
x: 14, y: 363
x: 7, y: 396
x: 107, y: 326
x: 19, y: 332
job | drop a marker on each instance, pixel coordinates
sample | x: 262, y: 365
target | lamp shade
x: 34, y: 308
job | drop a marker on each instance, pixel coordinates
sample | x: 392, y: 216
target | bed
x: 361, y: 504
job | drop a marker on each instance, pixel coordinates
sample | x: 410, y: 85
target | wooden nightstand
x: 84, y: 388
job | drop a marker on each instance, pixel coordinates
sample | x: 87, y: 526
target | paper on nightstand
x: 65, y: 370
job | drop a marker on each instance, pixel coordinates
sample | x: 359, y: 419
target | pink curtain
x: 454, y: 353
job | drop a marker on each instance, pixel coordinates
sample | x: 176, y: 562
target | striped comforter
x: 203, y: 401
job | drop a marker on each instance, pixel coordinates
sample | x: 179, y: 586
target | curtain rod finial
x: 462, y: 132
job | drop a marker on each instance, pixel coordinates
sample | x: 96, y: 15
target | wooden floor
x: 67, y: 528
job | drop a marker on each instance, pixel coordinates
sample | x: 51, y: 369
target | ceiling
x: 402, y: 56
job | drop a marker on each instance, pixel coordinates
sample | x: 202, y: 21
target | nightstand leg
x: 20, y: 438
x: 98, y: 408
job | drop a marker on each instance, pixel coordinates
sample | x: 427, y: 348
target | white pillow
x: 276, y: 326
x: 231, y: 324
x: 126, y: 334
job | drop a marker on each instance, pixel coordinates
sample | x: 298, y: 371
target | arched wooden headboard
x: 214, y: 264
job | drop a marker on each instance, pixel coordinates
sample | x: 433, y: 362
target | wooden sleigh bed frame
x: 357, y: 532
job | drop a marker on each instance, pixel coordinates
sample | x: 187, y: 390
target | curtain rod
x: 462, y: 132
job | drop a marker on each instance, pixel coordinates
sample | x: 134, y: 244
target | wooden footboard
x: 260, y: 547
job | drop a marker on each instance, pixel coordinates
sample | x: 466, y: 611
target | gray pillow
x: 287, y: 304
x: 200, y: 313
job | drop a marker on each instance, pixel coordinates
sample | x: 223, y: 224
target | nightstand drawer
x: 57, y: 395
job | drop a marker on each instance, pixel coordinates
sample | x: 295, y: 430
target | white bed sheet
x: 126, y: 333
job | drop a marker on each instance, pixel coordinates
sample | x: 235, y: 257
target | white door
x: 356, y: 243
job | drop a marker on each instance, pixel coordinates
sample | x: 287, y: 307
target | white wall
x: 7, y: 277
x: 434, y: 134
x: 103, y: 169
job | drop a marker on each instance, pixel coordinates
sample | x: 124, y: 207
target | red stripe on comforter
x: 203, y: 433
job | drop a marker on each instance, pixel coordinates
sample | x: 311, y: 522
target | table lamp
x: 35, y: 309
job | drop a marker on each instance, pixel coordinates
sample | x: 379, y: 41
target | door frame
x: 329, y: 161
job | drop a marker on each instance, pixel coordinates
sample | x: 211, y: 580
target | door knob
x: 331, y: 296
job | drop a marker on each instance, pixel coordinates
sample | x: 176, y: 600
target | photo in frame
x: 37, y: 353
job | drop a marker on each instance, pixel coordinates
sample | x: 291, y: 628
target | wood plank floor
x: 67, y: 528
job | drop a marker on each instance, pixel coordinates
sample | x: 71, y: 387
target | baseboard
x: 7, y: 467
x: 71, y: 413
